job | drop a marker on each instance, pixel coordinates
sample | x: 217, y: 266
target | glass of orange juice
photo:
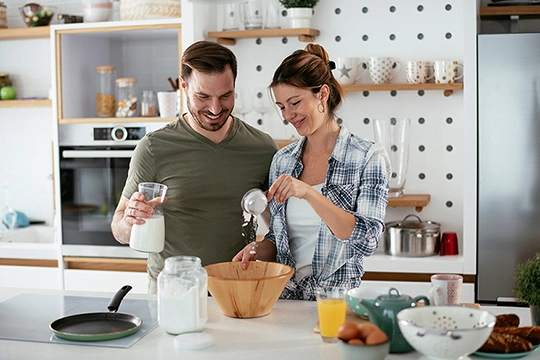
x: 331, y: 306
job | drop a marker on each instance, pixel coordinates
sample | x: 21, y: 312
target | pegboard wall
x: 405, y: 30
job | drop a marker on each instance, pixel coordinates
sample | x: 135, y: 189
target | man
x: 207, y: 158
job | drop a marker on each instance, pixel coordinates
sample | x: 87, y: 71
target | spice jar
x: 4, y: 80
x: 126, y: 97
x: 3, y: 16
x: 105, y: 99
x: 149, y: 103
x: 182, y: 295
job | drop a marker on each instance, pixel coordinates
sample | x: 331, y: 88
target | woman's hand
x: 286, y: 186
x: 246, y: 255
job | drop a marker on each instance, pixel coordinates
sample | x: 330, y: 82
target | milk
x: 150, y: 236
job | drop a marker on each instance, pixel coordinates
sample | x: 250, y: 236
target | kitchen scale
x: 26, y: 317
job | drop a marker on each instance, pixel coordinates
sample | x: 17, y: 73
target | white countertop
x: 286, y: 333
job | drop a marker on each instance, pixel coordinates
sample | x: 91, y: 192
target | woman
x: 329, y: 190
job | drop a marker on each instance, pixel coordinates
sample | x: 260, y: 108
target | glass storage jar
x: 182, y: 289
x: 149, y: 103
x: 105, y: 98
x: 126, y: 97
x: 3, y: 15
x: 4, y: 80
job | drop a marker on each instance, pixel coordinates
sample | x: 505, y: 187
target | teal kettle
x: 383, y: 311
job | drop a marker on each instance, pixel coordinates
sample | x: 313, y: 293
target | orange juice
x: 331, y: 316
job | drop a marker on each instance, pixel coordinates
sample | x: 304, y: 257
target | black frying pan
x: 98, y: 326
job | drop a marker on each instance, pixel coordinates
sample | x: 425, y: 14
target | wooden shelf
x: 448, y: 89
x: 115, y: 120
x: 502, y: 11
x: 418, y: 201
x: 39, y: 32
x: 110, y: 264
x: 229, y: 37
x: 25, y: 103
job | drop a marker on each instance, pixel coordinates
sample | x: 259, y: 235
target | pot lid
x: 416, y: 224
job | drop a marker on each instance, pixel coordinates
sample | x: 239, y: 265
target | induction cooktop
x: 26, y: 317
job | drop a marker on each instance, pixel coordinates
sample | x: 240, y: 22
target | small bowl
x: 445, y: 332
x: 37, y: 15
x: 356, y: 352
x: 368, y: 293
x: 247, y: 293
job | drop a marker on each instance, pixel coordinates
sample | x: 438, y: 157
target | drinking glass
x: 393, y: 135
x: 262, y: 105
x: 242, y: 102
x: 253, y: 14
x: 332, y: 308
x: 150, y: 236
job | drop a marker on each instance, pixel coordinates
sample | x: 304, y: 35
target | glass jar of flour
x: 182, y: 295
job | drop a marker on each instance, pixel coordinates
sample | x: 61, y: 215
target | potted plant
x: 300, y: 12
x: 527, y: 285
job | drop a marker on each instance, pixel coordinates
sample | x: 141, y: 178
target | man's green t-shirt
x: 206, y: 181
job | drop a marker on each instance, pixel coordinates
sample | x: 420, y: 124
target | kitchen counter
x: 286, y: 333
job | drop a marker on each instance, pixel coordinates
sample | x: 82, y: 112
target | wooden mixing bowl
x: 248, y: 293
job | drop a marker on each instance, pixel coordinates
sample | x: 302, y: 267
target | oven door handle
x: 86, y: 154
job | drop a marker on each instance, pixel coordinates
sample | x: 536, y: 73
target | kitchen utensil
x: 98, y: 326
x: 412, y: 238
x: 150, y: 236
x: 247, y: 293
x: 254, y: 203
x: 366, y: 292
x: 449, y: 244
x: 445, y: 332
x: 383, y: 312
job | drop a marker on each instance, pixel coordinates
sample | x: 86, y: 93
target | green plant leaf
x: 298, y: 3
x: 527, y: 281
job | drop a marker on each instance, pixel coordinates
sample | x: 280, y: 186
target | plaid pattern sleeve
x: 357, y: 181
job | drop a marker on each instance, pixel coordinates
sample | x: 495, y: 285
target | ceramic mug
x: 445, y: 289
x: 167, y: 103
x: 349, y: 70
x: 445, y: 71
x: 419, y: 72
x: 383, y: 69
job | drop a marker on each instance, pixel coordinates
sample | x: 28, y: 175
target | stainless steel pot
x: 412, y: 238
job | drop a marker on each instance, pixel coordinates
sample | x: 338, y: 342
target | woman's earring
x: 320, y: 108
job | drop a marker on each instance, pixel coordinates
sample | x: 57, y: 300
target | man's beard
x: 208, y: 127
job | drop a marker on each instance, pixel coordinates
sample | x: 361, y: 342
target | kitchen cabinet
x: 16, y: 34
x: 147, y: 50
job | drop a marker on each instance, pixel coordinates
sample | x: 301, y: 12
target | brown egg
x: 356, y: 341
x: 376, y: 337
x: 348, y: 330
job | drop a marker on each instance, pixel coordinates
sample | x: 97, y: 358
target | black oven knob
x: 119, y: 133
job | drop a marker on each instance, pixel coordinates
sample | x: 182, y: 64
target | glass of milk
x: 150, y: 236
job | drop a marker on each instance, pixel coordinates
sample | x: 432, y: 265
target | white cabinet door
x: 32, y: 277
x: 110, y: 281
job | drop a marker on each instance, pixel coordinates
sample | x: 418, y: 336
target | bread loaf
x: 531, y: 333
x: 505, y: 344
x: 507, y: 320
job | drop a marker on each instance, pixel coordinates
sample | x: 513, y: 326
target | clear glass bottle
x: 126, y: 97
x: 182, y: 295
x: 105, y: 98
x: 149, y: 103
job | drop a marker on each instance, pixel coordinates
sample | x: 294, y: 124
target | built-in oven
x: 94, y: 162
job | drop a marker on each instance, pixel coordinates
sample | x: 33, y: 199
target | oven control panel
x: 119, y: 133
